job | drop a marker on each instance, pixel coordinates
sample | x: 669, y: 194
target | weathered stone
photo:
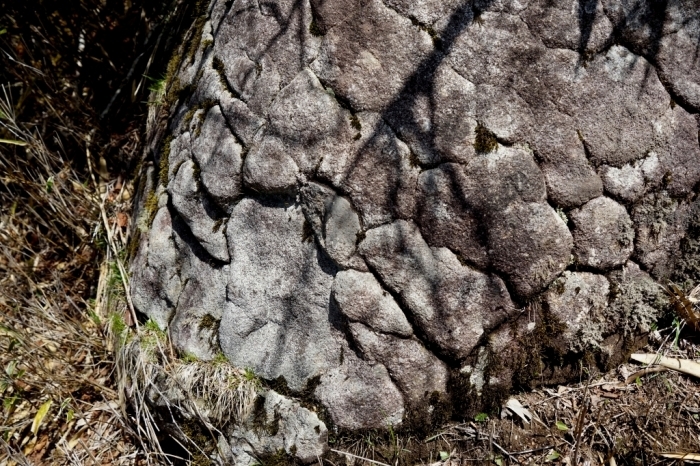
x: 603, y: 234
x: 263, y: 47
x: 416, y: 371
x: 426, y: 12
x: 198, y: 212
x: 218, y: 155
x: 570, y: 178
x: 631, y: 181
x: 660, y: 223
x: 577, y: 25
x: 355, y: 160
x: 453, y: 304
x: 679, y: 157
x: 578, y: 301
x: 530, y: 244
x: 243, y: 122
x: 503, y: 112
x: 446, y: 217
x: 277, y: 295
x: 618, y: 91
x: 179, y: 152
x: 341, y: 229
x: 369, y: 59
x: 454, y: 115
x: 278, y: 424
x: 377, y: 174
x: 309, y: 122
x: 334, y: 222
x: 268, y: 168
x: 156, y: 284
x: 499, y: 178
x: 361, y: 299
x: 361, y: 395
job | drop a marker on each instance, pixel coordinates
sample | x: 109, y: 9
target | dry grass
x: 52, y: 348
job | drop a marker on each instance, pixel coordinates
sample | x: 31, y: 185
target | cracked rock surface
x: 381, y: 205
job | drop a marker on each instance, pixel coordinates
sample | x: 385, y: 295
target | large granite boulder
x: 390, y: 207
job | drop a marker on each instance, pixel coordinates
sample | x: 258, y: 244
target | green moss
x: 163, y: 173
x: 355, y: 122
x: 220, y: 69
x: 437, y: 41
x: 541, y: 348
x: 219, y: 359
x: 202, y: 445
x: 195, y: 38
x: 133, y: 247
x: 188, y: 358
x: 307, y: 232
x: 315, y: 30
x: 209, y: 322
x: 485, y: 141
x: 279, y: 458
x: 150, y: 208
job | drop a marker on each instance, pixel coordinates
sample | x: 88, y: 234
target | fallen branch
x: 681, y: 365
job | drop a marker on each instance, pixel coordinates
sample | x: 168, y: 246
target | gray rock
x: 453, y: 304
x: 497, y: 179
x: 603, y: 234
x: 341, y: 228
x: 369, y: 59
x: 377, y: 174
x: 617, y: 91
x: 268, y: 168
x: 579, y: 26
x: 426, y: 12
x: 360, y: 395
x: 278, y: 296
x: 309, y: 122
x: 570, y: 178
x: 218, y: 155
x: 679, y: 158
x: 263, y: 47
x: 416, y: 371
x: 446, y: 217
x: 454, y: 115
x: 676, y: 68
x: 334, y: 222
x: 361, y: 298
x: 503, y: 112
x: 180, y: 152
x: 330, y: 14
x: 242, y: 121
x: 631, y: 181
x: 316, y: 200
x: 660, y: 223
x: 530, y: 244
x: 155, y: 282
x: 198, y: 212
x: 421, y: 149
x: 578, y: 300
x: 278, y: 424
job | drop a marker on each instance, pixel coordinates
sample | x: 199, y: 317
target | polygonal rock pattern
x: 603, y: 234
x: 360, y: 199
